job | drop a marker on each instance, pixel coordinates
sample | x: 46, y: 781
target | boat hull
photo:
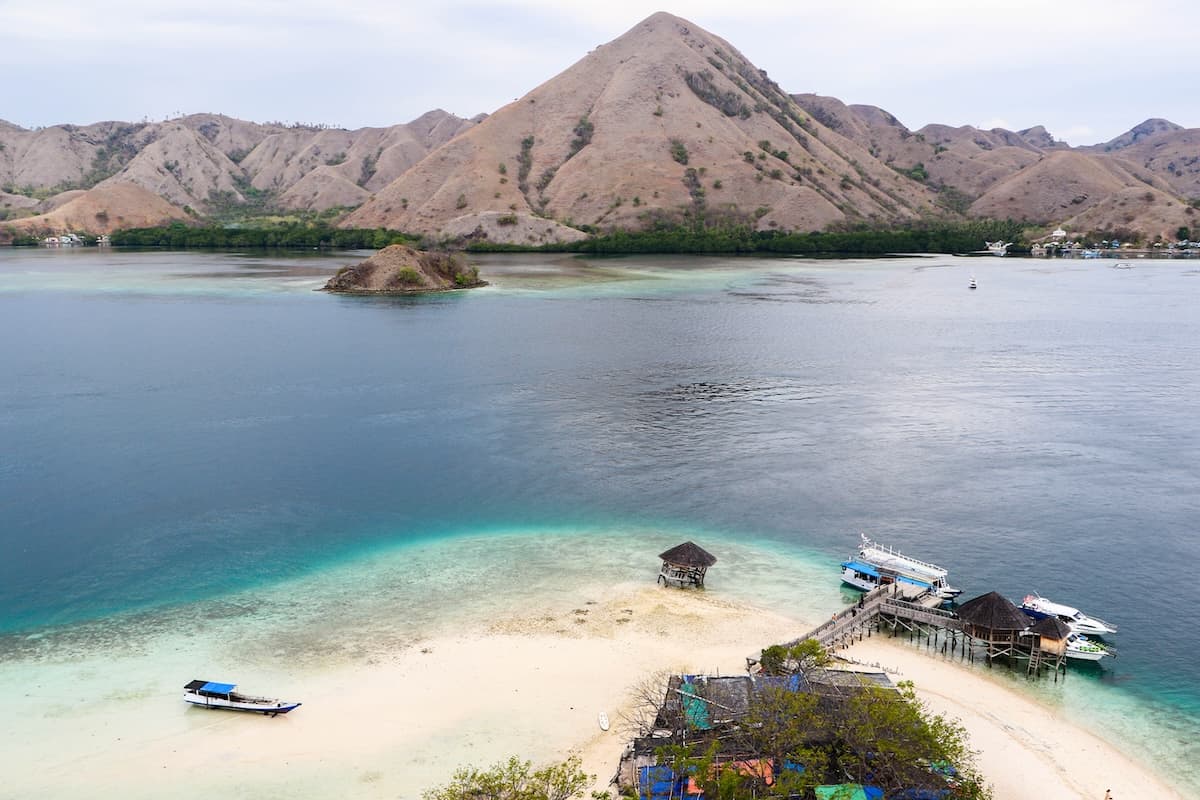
x: 268, y: 707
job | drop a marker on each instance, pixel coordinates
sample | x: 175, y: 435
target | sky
x: 1088, y: 70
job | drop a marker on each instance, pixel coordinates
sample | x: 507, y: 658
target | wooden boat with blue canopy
x: 210, y: 694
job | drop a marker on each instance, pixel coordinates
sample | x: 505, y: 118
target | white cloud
x: 1013, y: 64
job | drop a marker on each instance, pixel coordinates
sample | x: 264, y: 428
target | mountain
x: 1149, y: 129
x: 206, y: 162
x: 665, y: 122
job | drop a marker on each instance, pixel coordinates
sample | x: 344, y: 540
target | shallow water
x: 202, y: 442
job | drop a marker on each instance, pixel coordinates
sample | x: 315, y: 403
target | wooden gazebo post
x: 685, y: 565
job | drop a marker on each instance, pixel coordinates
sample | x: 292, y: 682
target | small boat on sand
x: 879, y: 565
x: 210, y: 694
x: 1038, y: 607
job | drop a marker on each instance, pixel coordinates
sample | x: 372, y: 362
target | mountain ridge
x: 666, y: 124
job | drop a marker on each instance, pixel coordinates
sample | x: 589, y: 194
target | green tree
x: 516, y: 780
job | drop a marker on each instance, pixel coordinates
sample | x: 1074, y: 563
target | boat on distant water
x: 998, y: 248
x: 210, y: 694
x: 1082, y: 648
x: 879, y: 565
x: 1038, y: 607
x: 972, y: 284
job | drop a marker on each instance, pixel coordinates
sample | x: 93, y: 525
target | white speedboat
x: 222, y: 695
x: 1037, y: 607
x: 972, y: 284
x: 1084, y: 649
x: 998, y: 248
x: 878, y: 565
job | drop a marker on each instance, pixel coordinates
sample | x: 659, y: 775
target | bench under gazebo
x: 685, y: 565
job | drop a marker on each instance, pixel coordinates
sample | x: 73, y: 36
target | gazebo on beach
x: 685, y: 565
x: 993, y: 620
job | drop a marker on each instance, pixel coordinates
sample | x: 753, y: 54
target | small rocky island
x: 399, y: 269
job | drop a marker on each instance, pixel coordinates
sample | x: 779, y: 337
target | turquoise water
x: 203, y: 434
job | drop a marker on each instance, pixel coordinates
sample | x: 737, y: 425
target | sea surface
x: 195, y: 439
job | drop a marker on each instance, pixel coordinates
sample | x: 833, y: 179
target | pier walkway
x: 906, y: 609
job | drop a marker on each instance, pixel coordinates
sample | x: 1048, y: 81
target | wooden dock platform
x: 901, y: 609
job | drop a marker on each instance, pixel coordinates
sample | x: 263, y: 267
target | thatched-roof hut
x: 993, y: 619
x: 1053, y: 633
x: 685, y: 565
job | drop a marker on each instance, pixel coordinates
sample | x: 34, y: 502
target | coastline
x: 528, y: 682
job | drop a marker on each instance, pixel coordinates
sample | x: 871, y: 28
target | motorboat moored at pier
x: 1038, y: 607
x: 879, y: 565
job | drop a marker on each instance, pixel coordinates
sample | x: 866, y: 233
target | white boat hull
x: 266, y: 706
x: 1081, y: 649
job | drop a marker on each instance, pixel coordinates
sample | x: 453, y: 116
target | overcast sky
x: 1086, y: 69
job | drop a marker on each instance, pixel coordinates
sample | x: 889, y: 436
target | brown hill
x: 1150, y: 129
x: 301, y: 165
x: 1172, y: 156
x: 667, y: 120
x: 1133, y: 210
x: 1059, y: 186
x: 965, y: 161
x: 103, y: 210
x: 398, y: 269
x: 202, y: 159
x: 182, y: 167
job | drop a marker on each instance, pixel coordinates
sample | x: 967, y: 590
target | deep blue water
x: 173, y: 426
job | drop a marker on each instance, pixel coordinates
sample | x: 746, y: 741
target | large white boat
x: 222, y: 695
x: 998, y: 248
x: 1084, y: 649
x: 1038, y: 607
x: 878, y: 565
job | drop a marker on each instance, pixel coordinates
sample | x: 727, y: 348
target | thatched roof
x: 993, y: 611
x: 689, y: 554
x: 1051, y: 628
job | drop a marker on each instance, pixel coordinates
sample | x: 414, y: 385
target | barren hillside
x: 102, y: 210
x: 667, y: 119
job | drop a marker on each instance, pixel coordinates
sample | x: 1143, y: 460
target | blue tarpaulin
x: 659, y: 783
x: 218, y: 688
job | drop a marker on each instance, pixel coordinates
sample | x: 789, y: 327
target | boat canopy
x: 859, y: 566
x: 217, y: 689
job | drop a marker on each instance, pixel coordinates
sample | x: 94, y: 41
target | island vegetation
x: 720, y: 238
x: 860, y: 735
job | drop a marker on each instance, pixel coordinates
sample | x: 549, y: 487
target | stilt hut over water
x: 1053, y: 633
x: 685, y: 565
x: 993, y: 620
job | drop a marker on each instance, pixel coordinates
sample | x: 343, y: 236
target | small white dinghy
x: 603, y: 720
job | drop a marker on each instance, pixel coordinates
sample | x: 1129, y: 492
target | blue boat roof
x: 859, y: 566
x: 219, y: 688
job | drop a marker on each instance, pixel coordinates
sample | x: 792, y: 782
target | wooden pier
x: 901, y: 609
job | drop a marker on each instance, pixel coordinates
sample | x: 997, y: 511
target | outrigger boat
x: 222, y: 695
x: 878, y: 565
x: 1038, y: 607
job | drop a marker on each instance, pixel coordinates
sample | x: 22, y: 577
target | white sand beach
x: 529, y: 684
